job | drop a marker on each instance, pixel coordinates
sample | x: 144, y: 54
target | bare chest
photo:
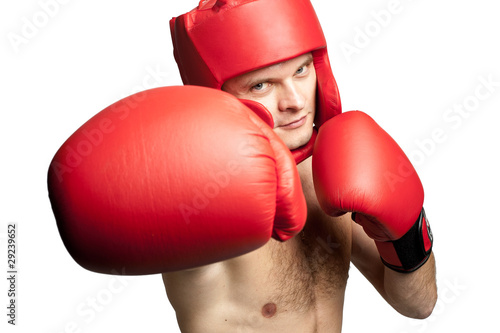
x: 314, y: 264
x: 295, y: 286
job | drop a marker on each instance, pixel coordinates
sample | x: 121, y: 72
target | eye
x: 259, y: 87
x: 300, y: 70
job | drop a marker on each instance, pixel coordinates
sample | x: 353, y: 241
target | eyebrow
x: 308, y: 60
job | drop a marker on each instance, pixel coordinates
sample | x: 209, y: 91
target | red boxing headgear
x: 221, y: 39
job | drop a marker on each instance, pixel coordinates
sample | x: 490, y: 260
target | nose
x: 291, y: 97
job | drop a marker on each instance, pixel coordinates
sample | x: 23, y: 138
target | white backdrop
x: 427, y: 71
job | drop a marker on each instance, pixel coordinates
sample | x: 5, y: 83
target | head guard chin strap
x: 221, y: 39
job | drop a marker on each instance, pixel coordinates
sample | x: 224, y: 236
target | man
x: 190, y: 182
x: 297, y: 285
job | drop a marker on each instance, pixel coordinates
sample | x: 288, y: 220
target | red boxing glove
x: 358, y: 167
x: 173, y: 178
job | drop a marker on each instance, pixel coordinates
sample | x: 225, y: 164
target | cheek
x: 270, y: 103
x: 311, y: 93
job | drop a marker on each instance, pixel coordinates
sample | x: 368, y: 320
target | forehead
x: 275, y: 71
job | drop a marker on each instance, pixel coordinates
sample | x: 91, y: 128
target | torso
x: 294, y: 286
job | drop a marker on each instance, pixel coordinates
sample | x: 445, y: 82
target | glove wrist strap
x: 411, y: 251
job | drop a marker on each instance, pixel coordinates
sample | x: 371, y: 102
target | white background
x: 408, y: 70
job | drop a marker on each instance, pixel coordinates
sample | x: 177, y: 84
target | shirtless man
x: 116, y: 193
x: 297, y: 285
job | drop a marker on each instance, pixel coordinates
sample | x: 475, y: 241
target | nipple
x: 269, y: 310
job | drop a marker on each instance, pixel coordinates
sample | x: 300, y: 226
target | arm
x: 359, y: 168
x: 411, y: 294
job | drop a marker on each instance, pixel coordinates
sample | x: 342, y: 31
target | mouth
x: 294, y: 124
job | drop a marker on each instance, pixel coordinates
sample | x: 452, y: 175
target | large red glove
x: 358, y: 167
x: 173, y: 178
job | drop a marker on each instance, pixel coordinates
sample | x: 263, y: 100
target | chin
x: 298, y: 139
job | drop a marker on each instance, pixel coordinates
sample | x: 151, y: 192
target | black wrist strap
x: 415, y: 247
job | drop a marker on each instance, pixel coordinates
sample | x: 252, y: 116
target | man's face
x: 288, y: 91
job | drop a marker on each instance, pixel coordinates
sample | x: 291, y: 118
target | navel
x: 269, y: 310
